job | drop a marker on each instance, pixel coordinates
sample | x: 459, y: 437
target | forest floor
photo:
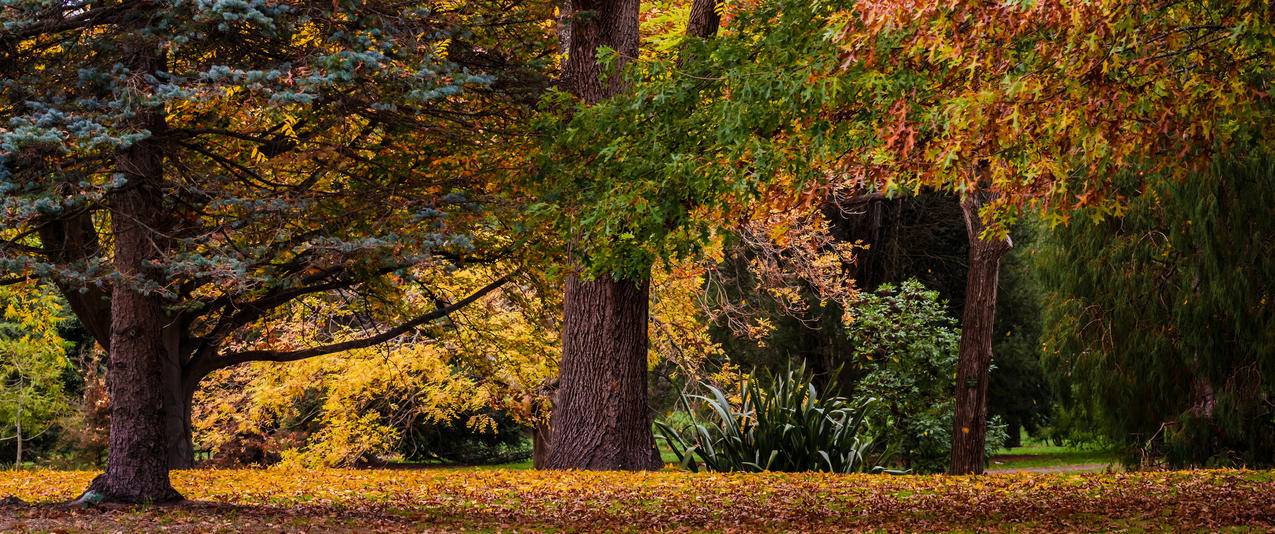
x: 379, y: 500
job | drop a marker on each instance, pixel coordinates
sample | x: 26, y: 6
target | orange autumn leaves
x: 452, y: 499
x: 1051, y: 102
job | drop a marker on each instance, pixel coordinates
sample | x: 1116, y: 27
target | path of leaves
x: 447, y: 500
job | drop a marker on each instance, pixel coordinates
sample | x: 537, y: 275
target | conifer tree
x: 184, y: 170
x: 1160, y: 324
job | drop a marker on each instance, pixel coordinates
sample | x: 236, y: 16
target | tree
x: 462, y: 390
x: 32, y: 362
x: 601, y: 419
x: 1041, y: 112
x: 1160, y: 325
x: 973, y: 369
x: 226, y: 154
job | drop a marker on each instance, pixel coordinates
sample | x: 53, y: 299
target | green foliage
x: 1018, y: 391
x: 456, y: 441
x: 649, y: 174
x: 774, y: 422
x: 905, y: 346
x: 1160, y: 324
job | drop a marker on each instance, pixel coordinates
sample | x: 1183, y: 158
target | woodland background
x: 729, y: 236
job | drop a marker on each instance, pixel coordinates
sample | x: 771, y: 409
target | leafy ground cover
x: 278, y: 500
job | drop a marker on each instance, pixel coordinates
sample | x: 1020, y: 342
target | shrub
x: 905, y: 352
x: 1160, y: 323
x: 775, y: 423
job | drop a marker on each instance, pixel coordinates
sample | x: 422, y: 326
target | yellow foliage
x: 338, y: 409
x: 679, y: 328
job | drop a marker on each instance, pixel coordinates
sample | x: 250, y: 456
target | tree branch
x: 294, y: 355
x: 14, y: 280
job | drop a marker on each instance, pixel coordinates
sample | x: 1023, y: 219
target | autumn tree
x: 188, y: 172
x: 1041, y: 104
x: 32, y: 363
x: 1010, y: 106
x: 462, y: 390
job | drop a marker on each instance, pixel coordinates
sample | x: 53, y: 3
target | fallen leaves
x: 287, y: 500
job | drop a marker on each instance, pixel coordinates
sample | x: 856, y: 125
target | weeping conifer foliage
x: 1160, y: 324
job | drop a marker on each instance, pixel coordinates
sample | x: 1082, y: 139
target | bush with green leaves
x: 905, y: 351
x: 774, y: 422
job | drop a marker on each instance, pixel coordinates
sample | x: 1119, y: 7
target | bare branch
x: 405, y: 328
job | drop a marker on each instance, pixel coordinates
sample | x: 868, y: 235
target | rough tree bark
x: 601, y: 419
x: 72, y: 239
x: 704, y: 18
x: 137, y: 464
x: 969, y: 433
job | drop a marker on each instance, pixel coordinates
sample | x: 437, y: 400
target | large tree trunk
x: 601, y: 419
x: 592, y: 25
x: 704, y: 18
x: 969, y: 434
x: 137, y: 462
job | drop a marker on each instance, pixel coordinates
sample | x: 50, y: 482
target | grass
x: 493, y: 500
x: 1029, y: 456
x: 1044, y: 456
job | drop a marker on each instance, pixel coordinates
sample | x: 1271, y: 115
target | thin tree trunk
x: 969, y: 433
x: 1015, y: 431
x: 17, y: 463
x: 601, y: 419
x: 178, y: 430
x: 137, y: 461
x: 178, y: 394
x: 541, y: 435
